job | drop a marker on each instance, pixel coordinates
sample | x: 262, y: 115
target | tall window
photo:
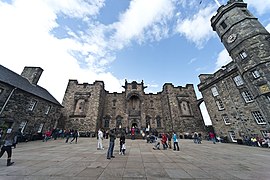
x: 22, y: 126
x: 243, y: 54
x: 232, y: 136
x: 107, y: 123
x: 32, y: 105
x: 40, y: 128
x: 220, y: 104
x: 48, y: 108
x: 247, y: 96
x: 238, y: 80
x: 226, y: 119
x: 255, y: 74
x: 258, y: 117
x: 214, y: 91
x: 158, y: 121
x: 114, y: 102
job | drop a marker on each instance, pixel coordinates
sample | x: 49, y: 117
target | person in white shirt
x: 100, y: 139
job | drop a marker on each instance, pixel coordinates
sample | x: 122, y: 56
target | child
x: 123, y: 152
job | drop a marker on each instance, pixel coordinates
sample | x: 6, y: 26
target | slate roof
x: 9, y: 77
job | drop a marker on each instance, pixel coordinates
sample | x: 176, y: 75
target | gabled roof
x: 9, y: 77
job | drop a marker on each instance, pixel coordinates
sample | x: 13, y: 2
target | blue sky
x: 157, y: 41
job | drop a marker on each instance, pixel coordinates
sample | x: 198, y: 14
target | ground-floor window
x: 232, y: 136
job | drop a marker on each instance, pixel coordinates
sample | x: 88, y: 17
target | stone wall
x: 16, y: 111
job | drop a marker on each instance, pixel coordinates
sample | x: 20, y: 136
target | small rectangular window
x: 247, y: 96
x: 232, y: 136
x: 32, y: 105
x: 226, y: 119
x: 48, y: 108
x: 223, y: 24
x: 1, y: 90
x: 220, y: 105
x: 243, y: 54
x: 238, y: 80
x: 255, y: 74
x: 214, y: 91
x: 258, y: 117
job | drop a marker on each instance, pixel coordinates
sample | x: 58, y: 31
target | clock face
x: 231, y: 38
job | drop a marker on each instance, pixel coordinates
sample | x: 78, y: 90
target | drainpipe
x: 5, y: 104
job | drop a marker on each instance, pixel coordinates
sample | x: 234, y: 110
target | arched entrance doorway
x: 134, y: 125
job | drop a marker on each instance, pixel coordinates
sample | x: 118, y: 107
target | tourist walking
x: 111, y: 145
x: 100, y: 139
x: 175, y: 142
x: 75, y: 137
x: 8, y: 141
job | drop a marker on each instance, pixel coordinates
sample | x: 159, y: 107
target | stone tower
x: 248, y: 44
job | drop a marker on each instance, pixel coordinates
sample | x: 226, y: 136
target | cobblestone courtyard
x: 59, y: 160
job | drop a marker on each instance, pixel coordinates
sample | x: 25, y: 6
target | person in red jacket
x: 164, y: 141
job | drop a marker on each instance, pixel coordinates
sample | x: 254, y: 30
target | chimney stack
x: 32, y: 74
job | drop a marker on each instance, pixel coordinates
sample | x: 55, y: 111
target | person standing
x: 7, y: 146
x: 111, y: 145
x: 100, y: 139
x: 175, y: 142
x: 122, y: 141
x: 212, y: 137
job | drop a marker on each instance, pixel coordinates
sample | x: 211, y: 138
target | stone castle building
x: 237, y: 96
x: 25, y: 105
x: 88, y: 107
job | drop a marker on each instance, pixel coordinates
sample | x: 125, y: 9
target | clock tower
x: 248, y: 44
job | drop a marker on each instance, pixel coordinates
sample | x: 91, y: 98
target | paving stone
x: 56, y: 160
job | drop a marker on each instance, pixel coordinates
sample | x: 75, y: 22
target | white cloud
x: 26, y: 41
x: 195, y: 28
x: 143, y: 18
x: 223, y: 59
x: 261, y: 6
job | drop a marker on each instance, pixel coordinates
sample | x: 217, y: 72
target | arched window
x: 158, y: 119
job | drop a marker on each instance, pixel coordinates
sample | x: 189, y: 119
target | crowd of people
x: 163, y: 140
